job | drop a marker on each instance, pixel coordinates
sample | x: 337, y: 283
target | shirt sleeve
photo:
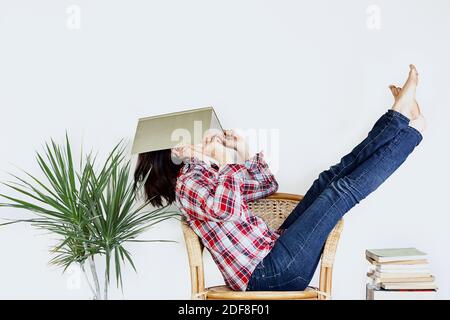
x: 207, y: 194
x: 261, y: 182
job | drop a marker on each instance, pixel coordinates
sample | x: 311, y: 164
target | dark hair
x: 162, y: 176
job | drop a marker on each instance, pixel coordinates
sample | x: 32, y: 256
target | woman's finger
x: 230, y: 133
x: 178, y: 150
x: 189, y: 151
x: 206, y: 138
x: 210, y: 134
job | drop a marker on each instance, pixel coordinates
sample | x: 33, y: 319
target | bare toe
x: 393, y: 90
x: 405, y: 102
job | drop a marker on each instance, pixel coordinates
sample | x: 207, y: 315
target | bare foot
x: 395, y: 92
x: 419, y: 123
x: 405, y: 100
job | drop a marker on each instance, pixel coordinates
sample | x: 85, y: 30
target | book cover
x: 402, y: 270
x: 168, y: 130
x: 395, y: 254
x: 400, y: 275
x: 373, y: 293
x: 378, y: 280
x: 403, y: 262
x: 400, y: 267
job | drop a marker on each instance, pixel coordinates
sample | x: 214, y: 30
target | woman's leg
x: 384, y: 130
x: 293, y: 260
x: 387, y: 127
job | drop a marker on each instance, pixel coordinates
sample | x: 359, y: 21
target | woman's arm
x: 262, y: 182
x: 206, y: 194
x: 219, y: 195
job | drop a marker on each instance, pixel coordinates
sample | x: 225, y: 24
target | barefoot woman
x: 213, y: 195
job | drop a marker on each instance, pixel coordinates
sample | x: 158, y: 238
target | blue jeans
x: 291, y: 263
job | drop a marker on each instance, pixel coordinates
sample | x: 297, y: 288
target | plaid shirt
x: 214, y: 202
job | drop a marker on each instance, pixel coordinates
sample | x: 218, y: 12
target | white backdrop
x: 316, y: 70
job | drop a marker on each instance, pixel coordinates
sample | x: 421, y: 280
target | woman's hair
x: 159, y: 173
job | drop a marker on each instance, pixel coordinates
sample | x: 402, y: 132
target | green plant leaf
x: 92, y: 208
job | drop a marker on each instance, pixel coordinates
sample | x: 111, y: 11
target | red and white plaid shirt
x: 214, y: 202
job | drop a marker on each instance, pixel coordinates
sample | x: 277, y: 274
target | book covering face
x: 169, y: 130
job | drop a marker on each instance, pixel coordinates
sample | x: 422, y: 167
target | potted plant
x: 93, y: 209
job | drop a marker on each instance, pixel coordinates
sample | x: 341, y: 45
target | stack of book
x: 399, y: 274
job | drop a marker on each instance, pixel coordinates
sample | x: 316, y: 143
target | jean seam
x: 314, y: 229
x: 286, y: 282
x: 368, y: 143
x: 400, y: 115
x: 340, y: 198
x: 390, y: 115
x: 417, y: 132
x: 265, y: 276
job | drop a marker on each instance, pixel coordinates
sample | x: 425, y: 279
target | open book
x: 168, y: 130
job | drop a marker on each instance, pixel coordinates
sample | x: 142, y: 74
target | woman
x: 212, y: 192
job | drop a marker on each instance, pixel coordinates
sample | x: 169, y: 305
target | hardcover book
x: 395, y: 254
x: 374, y: 293
x: 168, y: 130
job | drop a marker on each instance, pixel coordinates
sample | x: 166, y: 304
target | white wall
x: 312, y: 69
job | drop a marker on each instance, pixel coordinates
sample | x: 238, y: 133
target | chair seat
x: 225, y: 293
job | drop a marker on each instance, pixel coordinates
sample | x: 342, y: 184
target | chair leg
x: 322, y: 282
x: 325, y: 281
x: 329, y: 281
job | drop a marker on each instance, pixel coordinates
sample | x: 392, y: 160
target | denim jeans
x: 291, y: 263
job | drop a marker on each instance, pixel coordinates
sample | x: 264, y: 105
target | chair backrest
x: 194, y: 248
x: 274, y: 210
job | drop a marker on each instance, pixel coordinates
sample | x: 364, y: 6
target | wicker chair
x: 273, y: 209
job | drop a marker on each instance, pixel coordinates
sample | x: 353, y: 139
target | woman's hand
x: 224, y: 147
x: 213, y: 145
x: 214, y: 150
x: 216, y: 146
x: 238, y: 143
x: 212, y: 135
x: 185, y: 151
